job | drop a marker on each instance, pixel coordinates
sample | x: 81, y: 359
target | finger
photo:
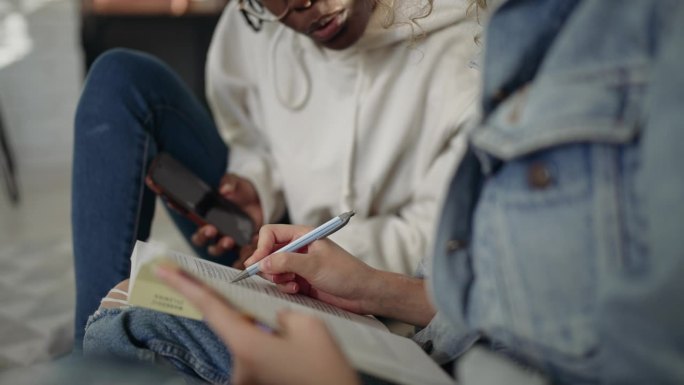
x: 228, y: 185
x: 272, y: 235
x: 292, y: 322
x: 283, y: 278
x: 212, y: 250
x: 203, y: 235
x: 238, y: 189
x: 304, y: 287
x: 276, y: 234
x: 289, y: 287
x: 258, y: 255
x: 224, y: 244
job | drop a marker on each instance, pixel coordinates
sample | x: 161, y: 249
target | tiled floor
x: 38, y: 95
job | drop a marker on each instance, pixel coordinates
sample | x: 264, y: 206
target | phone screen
x: 179, y: 185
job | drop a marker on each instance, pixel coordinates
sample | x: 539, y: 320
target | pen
x: 319, y: 232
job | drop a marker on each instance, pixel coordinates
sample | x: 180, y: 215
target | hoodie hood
x: 401, y: 24
x: 407, y: 24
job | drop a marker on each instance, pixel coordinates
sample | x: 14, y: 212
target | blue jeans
x: 138, y: 334
x: 144, y: 335
x: 132, y: 107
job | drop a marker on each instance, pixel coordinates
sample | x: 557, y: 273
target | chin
x: 345, y: 39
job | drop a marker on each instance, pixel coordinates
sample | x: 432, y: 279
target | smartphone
x: 190, y: 195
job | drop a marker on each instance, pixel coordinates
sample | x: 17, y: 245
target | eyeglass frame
x: 256, y: 18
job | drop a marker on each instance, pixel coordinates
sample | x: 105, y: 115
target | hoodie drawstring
x: 298, y: 53
x: 348, y: 199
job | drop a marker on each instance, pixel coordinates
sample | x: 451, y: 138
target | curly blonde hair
x: 477, y: 6
x: 424, y: 10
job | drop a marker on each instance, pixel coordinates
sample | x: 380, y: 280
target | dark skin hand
x: 241, y: 192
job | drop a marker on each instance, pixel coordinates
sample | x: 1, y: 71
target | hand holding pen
x: 324, y: 270
x: 319, y: 232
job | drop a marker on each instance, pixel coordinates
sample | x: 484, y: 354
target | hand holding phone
x: 241, y: 192
x: 191, y: 196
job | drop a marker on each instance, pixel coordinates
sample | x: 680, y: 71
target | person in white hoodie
x: 339, y: 106
x: 320, y: 126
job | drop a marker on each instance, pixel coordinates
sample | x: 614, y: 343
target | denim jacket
x: 561, y: 241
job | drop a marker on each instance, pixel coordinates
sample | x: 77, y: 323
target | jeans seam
x: 141, y: 192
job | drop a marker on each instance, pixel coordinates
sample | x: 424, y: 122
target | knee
x: 122, y: 66
x: 109, y: 81
x: 118, y: 81
x: 108, y: 333
x: 121, y: 73
x: 142, y: 334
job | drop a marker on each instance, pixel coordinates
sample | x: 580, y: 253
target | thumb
x: 228, y: 185
x: 293, y: 323
x: 272, y: 237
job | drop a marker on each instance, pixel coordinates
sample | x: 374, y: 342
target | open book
x: 365, y: 341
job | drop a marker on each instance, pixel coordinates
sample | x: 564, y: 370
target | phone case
x: 191, y: 196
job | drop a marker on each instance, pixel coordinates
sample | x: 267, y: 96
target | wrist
x: 398, y: 296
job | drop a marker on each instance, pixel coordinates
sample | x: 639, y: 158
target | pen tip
x: 239, y: 277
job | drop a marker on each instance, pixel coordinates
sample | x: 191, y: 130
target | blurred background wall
x: 46, y: 47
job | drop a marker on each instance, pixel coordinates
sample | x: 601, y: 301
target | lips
x: 327, y: 27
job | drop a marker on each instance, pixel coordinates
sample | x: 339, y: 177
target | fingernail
x: 225, y: 243
x: 209, y: 232
x: 265, y: 264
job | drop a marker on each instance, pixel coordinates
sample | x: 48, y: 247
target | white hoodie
x: 372, y: 128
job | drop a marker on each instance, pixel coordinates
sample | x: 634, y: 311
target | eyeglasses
x: 256, y: 14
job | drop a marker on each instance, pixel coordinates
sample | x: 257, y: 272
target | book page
x: 365, y: 341
x: 254, y: 295
x: 387, y: 355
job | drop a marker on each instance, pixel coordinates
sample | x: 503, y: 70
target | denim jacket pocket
x: 600, y: 106
x: 534, y: 242
x: 539, y: 235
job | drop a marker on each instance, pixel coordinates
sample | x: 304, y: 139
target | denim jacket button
x: 454, y: 245
x: 538, y: 176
